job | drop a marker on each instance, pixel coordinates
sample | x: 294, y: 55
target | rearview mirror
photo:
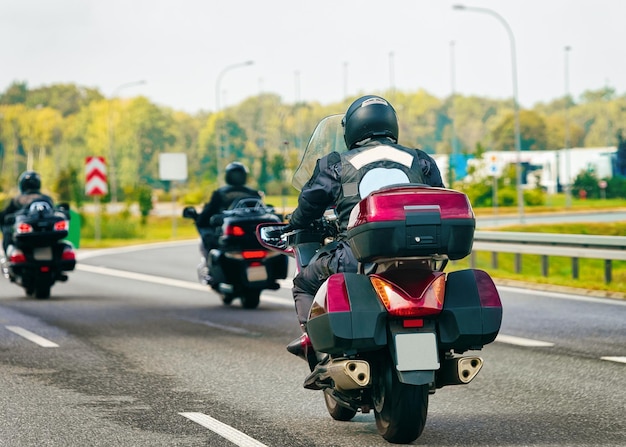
x: 189, y: 212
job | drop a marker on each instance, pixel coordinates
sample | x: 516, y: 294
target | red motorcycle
x: 391, y: 334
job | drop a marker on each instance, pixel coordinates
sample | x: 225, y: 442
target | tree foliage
x: 54, y: 128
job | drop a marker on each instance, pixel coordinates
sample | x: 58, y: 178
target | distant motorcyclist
x: 374, y: 160
x: 29, y: 184
x: 222, y: 198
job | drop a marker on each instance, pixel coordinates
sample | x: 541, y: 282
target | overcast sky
x: 317, y: 50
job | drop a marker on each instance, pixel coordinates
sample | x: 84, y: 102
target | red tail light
x: 233, y: 230
x: 24, y: 228
x: 62, y: 225
x: 337, y: 294
x: 68, y: 255
x: 17, y: 257
x: 254, y: 254
x: 400, y: 304
x: 44, y: 269
x: 336, y: 297
x: 489, y: 296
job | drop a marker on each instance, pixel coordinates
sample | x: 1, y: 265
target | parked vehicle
x: 234, y: 263
x: 390, y: 335
x: 38, y: 256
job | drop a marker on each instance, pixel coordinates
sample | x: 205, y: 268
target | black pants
x: 334, y: 258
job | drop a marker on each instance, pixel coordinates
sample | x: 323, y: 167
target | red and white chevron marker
x: 96, y: 176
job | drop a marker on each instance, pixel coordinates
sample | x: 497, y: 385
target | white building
x: 548, y: 167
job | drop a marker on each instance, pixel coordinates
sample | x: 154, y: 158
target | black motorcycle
x: 38, y: 255
x: 233, y: 261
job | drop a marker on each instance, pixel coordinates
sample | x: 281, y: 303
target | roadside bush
x: 119, y: 226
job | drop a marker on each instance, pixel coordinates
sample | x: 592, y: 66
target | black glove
x: 276, y: 234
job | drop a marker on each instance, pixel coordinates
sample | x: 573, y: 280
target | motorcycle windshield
x: 326, y: 138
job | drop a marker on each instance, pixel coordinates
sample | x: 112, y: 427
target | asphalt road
x: 146, y: 356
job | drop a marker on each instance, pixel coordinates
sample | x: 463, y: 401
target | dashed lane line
x: 225, y: 431
x: 166, y: 281
x: 31, y: 336
x: 526, y: 342
x: 615, y: 359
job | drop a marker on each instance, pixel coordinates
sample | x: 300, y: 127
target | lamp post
x: 218, y: 133
x: 112, y: 170
x: 518, y: 140
x: 392, y: 81
x: 454, y: 147
x: 568, y: 189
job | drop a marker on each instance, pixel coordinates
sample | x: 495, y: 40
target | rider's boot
x: 300, y: 346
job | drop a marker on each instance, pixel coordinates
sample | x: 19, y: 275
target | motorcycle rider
x: 222, y: 198
x: 29, y: 184
x: 236, y: 176
x: 374, y: 159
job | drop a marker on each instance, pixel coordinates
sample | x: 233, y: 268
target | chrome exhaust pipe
x: 346, y: 374
x: 458, y: 370
x: 468, y: 368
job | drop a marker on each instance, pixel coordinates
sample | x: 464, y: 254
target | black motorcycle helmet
x: 29, y: 181
x: 367, y: 117
x: 236, y: 174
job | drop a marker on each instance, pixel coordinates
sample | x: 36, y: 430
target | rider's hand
x: 276, y: 234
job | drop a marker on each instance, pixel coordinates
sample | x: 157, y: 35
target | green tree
x: 16, y: 93
x: 532, y: 132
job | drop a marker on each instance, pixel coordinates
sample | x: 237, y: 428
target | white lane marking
x: 91, y: 253
x: 166, y: 281
x: 233, y: 329
x: 563, y: 296
x: 30, y: 336
x: 519, y: 341
x: 615, y: 359
x: 225, y: 431
x: 140, y: 277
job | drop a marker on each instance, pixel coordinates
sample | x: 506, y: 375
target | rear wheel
x: 30, y: 290
x: 250, y: 298
x: 336, y: 411
x: 42, y: 291
x: 400, y: 409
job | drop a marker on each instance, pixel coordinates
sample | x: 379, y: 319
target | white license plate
x: 416, y: 352
x: 258, y: 273
x: 43, y: 253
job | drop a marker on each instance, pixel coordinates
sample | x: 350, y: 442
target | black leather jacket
x: 328, y: 187
x: 221, y: 199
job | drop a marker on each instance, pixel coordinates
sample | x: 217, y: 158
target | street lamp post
x: 568, y: 188
x: 518, y: 140
x: 112, y: 165
x: 454, y: 147
x: 218, y: 134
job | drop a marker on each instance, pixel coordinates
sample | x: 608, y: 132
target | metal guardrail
x: 574, y: 246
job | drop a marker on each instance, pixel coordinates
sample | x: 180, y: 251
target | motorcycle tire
x: 251, y: 298
x: 227, y: 299
x: 336, y: 411
x: 400, y: 409
x: 42, y: 292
